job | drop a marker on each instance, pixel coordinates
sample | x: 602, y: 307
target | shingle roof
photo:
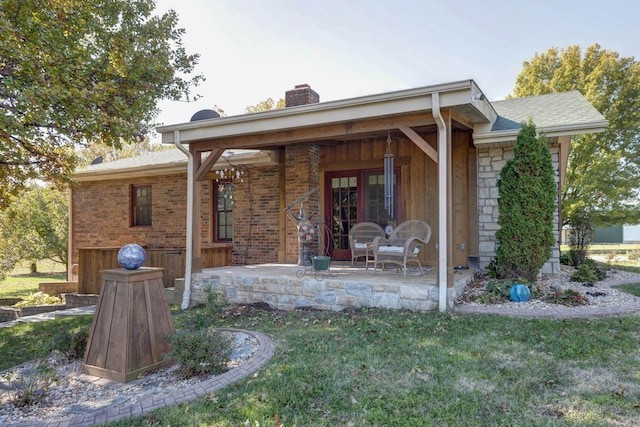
x: 550, y: 110
x: 166, y: 161
x: 165, y: 157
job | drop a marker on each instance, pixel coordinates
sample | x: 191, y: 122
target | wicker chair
x: 402, y: 246
x: 361, y: 237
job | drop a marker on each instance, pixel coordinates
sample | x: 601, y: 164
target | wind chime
x: 388, y: 178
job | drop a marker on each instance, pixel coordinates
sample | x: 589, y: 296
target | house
x: 448, y: 143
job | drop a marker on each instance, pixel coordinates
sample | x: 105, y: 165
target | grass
x: 28, y: 341
x: 631, y: 288
x: 21, y: 282
x: 378, y: 367
x: 607, y: 247
x: 633, y: 266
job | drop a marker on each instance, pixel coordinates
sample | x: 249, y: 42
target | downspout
x: 186, y: 296
x: 70, y: 240
x: 442, y: 203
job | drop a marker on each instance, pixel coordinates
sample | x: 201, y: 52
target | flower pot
x: 321, y: 263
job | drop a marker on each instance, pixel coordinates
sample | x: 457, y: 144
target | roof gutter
x: 186, y: 295
x: 442, y: 202
x: 487, y: 137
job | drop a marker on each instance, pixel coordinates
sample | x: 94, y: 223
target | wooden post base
x: 129, y: 328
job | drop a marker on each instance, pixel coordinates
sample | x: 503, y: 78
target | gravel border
x: 264, y: 352
x: 612, y: 302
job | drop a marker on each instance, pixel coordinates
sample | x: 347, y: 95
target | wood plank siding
x: 172, y: 261
x: 419, y: 182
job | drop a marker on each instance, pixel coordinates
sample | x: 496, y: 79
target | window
x: 140, y: 205
x: 373, y: 199
x: 223, y: 211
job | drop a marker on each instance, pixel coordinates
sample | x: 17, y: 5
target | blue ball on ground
x: 519, y: 293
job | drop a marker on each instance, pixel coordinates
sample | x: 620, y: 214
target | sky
x: 259, y: 49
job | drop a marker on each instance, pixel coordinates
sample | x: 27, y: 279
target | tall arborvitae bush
x: 527, y: 203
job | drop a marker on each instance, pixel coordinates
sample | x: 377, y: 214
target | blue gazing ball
x: 131, y: 256
x: 519, y: 293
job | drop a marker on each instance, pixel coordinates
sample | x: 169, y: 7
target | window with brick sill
x: 140, y: 206
x: 222, y: 211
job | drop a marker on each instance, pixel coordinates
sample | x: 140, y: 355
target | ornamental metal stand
x: 307, y: 234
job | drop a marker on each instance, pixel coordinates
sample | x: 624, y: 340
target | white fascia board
x: 131, y: 172
x: 387, y: 104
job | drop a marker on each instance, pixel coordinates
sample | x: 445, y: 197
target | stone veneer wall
x: 490, y: 162
x: 288, y: 292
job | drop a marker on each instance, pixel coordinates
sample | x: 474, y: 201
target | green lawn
x: 384, y: 368
x: 21, y: 282
x: 377, y: 367
x: 631, y: 288
x: 27, y: 341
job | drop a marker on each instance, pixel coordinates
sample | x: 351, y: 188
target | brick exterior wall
x: 100, y: 214
x: 256, y: 217
x: 302, y: 174
x: 490, y: 162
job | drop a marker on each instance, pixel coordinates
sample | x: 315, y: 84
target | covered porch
x: 338, y: 288
x: 331, y: 157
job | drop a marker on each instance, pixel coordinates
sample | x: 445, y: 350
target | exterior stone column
x: 490, y: 163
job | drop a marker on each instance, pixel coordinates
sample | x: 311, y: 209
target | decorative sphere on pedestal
x: 131, y: 256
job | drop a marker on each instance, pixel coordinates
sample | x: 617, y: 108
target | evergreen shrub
x: 527, y: 202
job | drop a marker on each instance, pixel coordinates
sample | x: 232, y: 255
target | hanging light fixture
x: 388, y: 178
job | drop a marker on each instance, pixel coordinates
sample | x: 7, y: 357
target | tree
x: 603, y: 169
x: 75, y: 72
x: 35, y: 226
x: 266, y: 105
x: 526, y: 205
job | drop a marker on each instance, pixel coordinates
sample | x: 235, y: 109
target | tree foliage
x: 266, y: 105
x: 526, y: 204
x: 80, y: 71
x: 604, y: 169
x: 34, y: 226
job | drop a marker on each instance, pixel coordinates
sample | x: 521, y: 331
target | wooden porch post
x: 444, y: 204
x: 196, y: 190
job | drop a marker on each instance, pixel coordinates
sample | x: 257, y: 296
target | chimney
x: 301, y: 95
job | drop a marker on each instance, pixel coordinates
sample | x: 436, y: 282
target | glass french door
x: 352, y: 197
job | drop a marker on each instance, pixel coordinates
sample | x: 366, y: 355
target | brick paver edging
x: 266, y: 350
x: 560, y: 312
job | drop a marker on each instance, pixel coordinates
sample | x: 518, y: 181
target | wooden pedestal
x: 132, y: 318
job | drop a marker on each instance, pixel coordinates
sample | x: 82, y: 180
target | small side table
x: 369, y: 252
